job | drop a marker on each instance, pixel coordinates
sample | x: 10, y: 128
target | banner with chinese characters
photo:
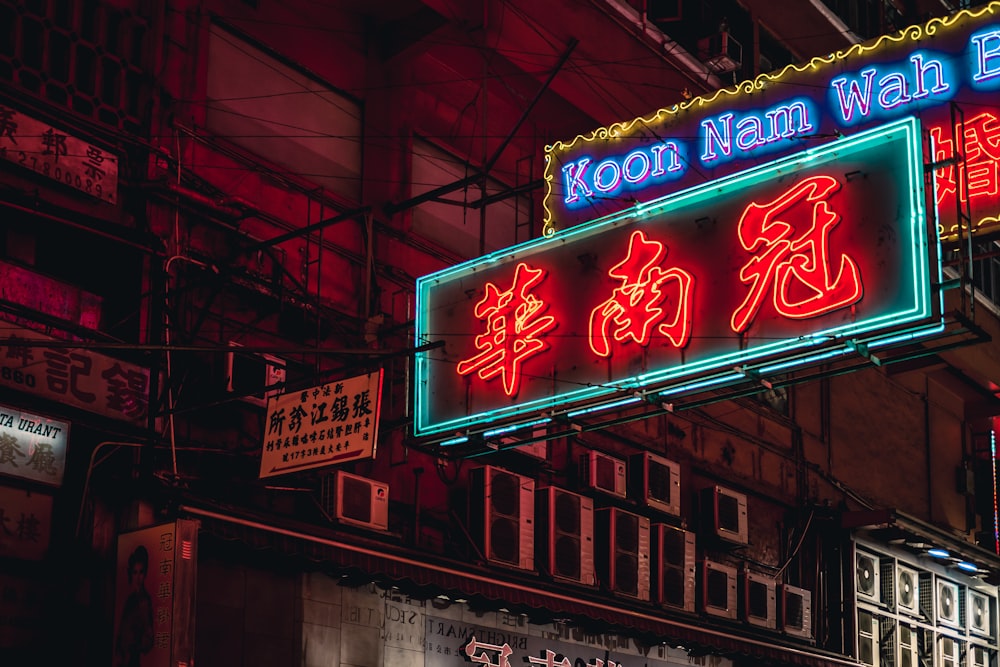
x: 25, y: 523
x: 57, y: 155
x: 31, y: 446
x: 946, y: 73
x: 155, y: 595
x: 74, y: 376
x: 782, y: 265
x: 321, y: 426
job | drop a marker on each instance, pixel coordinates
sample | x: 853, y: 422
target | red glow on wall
x: 514, y: 320
x: 637, y: 304
x: 791, y: 236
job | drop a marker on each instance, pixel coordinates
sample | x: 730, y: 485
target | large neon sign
x: 927, y: 71
x: 807, y: 255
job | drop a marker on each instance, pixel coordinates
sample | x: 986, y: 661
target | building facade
x: 218, y: 216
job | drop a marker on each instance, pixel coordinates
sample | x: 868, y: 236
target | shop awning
x: 427, y: 578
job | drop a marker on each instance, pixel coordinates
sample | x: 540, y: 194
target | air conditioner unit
x: 655, y: 482
x: 724, y: 512
x: 566, y: 535
x: 502, y: 516
x: 907, y: 590
x: 795, y: 611
x: 622, y: 555
x: 907, y: 646
x: 949, y: 650
x: 980, y: 656
x: 673, y: 569
x: 717, y: 593
x: 869, y: 642
x: 250, y: 375
x: 867, y: 573
x: 720, y: 52
x: 980, y: 613
x: 603, y: 473
x: 758, y: 600
x: 355, y: 500
x: 946, y: 603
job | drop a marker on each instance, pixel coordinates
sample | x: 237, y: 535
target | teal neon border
x: 802, y: 350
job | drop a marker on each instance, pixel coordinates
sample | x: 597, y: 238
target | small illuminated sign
x: 322, y: 426
x: 945, y: 73
x: 802, y: 256
x: 32, y: 446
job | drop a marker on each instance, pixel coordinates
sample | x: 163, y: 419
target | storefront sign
x: 31, y: 446
x: 782, y: 265
x: 57, y: 155
x: 74, y: 376
x: 25, y: 523
x: 322, y: 426
x: 946, y: 73
x: 154, y: 593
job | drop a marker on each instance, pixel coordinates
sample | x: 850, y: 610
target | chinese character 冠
x: 515, y: 320
x: 502, y: 652
x: 790, y: 236
x: 636, y: 305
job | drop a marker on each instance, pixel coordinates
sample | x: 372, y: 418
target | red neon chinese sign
x: 515, y: 322
x: 806, y: 253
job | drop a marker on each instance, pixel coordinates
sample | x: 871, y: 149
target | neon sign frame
x: 881, y: 176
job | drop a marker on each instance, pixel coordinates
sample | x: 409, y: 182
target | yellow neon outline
x: 621, y: 128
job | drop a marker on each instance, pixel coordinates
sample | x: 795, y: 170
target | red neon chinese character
x: 514, y: 321
x: 503, y: 652
x: 981, y: 164
x: 792, y: 232
x: 635, y: 306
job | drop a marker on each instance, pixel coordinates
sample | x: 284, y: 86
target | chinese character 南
x: 637, y: 304
x: 9, y: 449
x: 126, y: 390
x: 515, y: 322
x: 502, y: 653
x: 54, y: 143
x: 64, y: 371
x: 790, y: 239
x: 43, y: 459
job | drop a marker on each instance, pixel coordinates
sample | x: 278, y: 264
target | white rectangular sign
x: 321, y: 426
x: 31, y: 446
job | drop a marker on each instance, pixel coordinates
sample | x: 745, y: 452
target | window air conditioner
x: 948, y: 652
x: 795, y: 611
x: 946, y: 603
x: 718, y: 589
x: 907, y: 590
x: 720, y: 52
x: 566, y: 535
x: 603, y: 473
x: 355, y: 500
x: 502, y: 516
x: 979, y: 656
x: 758, y: 600
x: 622, y: 557
x: 908, y: 646
x: 250, y: 375
x: 867, y: 573
x: 655, y: 482
x: 869, y: 648
x: 725, y: 514
x: 673, y: 567
x: 980, y: 612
